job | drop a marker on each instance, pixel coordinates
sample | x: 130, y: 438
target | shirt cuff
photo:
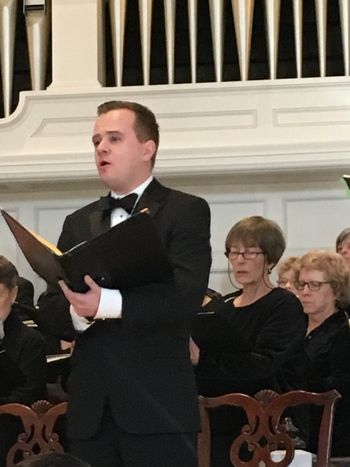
x: 80, y: 323
x: 110, y: 306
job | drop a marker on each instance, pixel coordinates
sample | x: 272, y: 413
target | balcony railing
x: 148, y: 42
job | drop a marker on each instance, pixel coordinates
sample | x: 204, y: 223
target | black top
x: 327, y: 356
x: 26, y: 348
x: 250, y: 347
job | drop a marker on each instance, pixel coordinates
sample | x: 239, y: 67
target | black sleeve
x: 339, y: 365
x: 32, y: 364
x: 279, y: 338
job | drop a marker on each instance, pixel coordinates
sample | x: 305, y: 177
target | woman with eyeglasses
x: 247, y: 344
x: 323, y: 286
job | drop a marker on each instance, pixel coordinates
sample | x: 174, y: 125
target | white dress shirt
x: 111, y: 303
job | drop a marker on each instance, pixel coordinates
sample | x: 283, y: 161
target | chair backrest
x: 265, y: 431
x: 38, y: 436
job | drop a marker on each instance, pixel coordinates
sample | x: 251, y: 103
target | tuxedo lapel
x: 152, y: 198
x: 99, y: 221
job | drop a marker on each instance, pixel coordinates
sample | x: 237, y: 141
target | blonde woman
x: 287, y: 272
x: 323, y: 286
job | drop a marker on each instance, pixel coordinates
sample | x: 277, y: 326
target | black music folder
x: 204, y: 325
x: 126, y: 255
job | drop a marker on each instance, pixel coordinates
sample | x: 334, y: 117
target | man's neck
x: 137, y: 188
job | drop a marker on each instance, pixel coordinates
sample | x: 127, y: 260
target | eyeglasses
x: 233, y: 254
x: 314, y: 286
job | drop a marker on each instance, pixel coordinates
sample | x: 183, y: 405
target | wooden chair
x: 340, y: 462
x: 265, y: 431
x: 38, y: 436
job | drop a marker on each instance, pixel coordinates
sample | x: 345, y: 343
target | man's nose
x: 102, y: 146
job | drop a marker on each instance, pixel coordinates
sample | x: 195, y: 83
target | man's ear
x: 14, y: 293
x: 149, y: 150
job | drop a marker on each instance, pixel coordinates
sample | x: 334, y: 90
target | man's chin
x: 106, y: 178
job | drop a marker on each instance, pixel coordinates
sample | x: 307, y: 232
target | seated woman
x: 248, y: 343
x: 323, y: 286
x: 342, y: 244
x: 287, y: 272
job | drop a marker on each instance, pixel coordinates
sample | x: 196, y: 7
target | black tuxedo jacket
x: 139, y: 365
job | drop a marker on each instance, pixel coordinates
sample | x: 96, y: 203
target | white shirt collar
x: 138, y: 190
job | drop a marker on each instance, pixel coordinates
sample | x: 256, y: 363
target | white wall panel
x: 310, y: 214
x: 7, y: 245
x: 43, y: 213
x: 315, y: 223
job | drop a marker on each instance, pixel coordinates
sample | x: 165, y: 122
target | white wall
x: 311, y: 214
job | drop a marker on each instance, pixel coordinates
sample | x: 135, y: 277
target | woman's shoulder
x: 283, y: 304
x: 331, y: 339
x: 336, y: 326
x: 275, y: 298
x: 280, y: 295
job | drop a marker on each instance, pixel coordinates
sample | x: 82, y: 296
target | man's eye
x: 114, y: 138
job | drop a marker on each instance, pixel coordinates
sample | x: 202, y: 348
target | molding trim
x: 279, y: 127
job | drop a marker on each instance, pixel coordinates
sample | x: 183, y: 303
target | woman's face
x: 249, y: 264
x: 286, y: 280
x: 7, y: 297
x: 316, y: 303
x: 344, y: 249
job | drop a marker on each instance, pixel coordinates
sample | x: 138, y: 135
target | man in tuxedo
x: 132, y: 395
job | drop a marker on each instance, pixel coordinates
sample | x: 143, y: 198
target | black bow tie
x: 127, y: 203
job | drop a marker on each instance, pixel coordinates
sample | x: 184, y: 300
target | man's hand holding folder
x: 84, y: 304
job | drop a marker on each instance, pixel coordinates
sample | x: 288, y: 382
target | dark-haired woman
x: 254, y: 334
